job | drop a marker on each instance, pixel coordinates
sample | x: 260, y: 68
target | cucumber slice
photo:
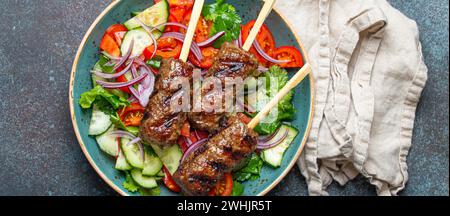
x: 145, y: 182
x: 108, y: 143
x: 170, y: 156
x: 132, y: 153
x: 152, y: 164
x: 121, y: 163
x: 155, y: 15
x: 100, y: 122
x: 274, y: 156
x: 141, y: 40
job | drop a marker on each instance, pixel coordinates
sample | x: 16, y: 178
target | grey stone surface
x: 39, y: 154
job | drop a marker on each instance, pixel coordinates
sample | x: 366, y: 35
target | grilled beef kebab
x: 230, y: 62
x: 161, y: 124
x: 231, y: 141
x: 205, y: 166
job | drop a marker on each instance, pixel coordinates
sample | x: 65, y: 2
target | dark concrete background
x: 39, y: 154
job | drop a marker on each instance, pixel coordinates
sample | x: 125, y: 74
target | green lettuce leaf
x: 102, y: 98
x: 130, y: 184
x: 251, y: 171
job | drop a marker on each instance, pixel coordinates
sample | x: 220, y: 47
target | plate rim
x: 100, y: 172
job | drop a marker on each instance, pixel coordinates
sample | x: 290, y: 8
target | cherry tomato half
x: 223, y: 187
x: 182, y: 3
x: 132, y: 115
x: 289, y: 53
x: 265, y: 39
x: 208, y: 57
x: 109, y: 45
x: 117, y: 31
x: 186, y: 129
x: 169, y: 182
x: 167, y: 48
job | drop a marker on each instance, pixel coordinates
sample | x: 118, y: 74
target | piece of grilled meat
x: 161, y: 124
x: 204, y: 167
x: 231, y: 62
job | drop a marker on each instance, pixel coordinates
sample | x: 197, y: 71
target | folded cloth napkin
x: 369, y: 74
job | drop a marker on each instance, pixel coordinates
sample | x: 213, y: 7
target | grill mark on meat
x: 220, y: 167
x: 221, y: 154
x: 233, y: 67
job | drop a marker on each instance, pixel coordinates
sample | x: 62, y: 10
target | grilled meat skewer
x: 205, y: 167
x: 161, y: 124
x: 230, y: 62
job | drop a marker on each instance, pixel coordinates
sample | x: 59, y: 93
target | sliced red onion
x: 180, y: 37
x: 115, y: 85
x: 110, y: 56
x: 122, y: 134
x: 132, y: 99
x: 268, y: 137
x: 171, y: 24
x: 270, y: 143
x: 111, y: 62
x: 192, y: 148
x: 211, y: 40
x: 115, y: 75
x: 188, y: 141
x: 134, y: 72
x: 134, y: 141
x: 150, y: 32
x: 134, y: 92
x: 263, y: 69
x: 266, y: 56
x: 145, y: 93
x: 126, y: 56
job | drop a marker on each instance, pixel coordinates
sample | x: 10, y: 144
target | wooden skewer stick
x: 297, y: 79
x: 196, y: 12
x: 265, y: 11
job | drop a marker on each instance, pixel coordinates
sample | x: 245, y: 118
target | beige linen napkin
x: 369, y: 74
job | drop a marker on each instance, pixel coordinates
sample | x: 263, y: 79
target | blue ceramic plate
x: 88, y: 54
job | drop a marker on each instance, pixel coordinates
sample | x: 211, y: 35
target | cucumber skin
x: 170, y: 156
x: 137, y: 164
x: 145, y: 182
x: 275, y: 163
x: 96, y: 131
x: 110, y: 147
x: 122, y: 163
x: 152, y: 164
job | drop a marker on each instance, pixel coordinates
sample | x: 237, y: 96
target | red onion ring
x: 115, y: 75
x: 125, y: 57
x: 266, y: 145
x: 263, y: 69
x: 111, y: 85
x: 180, y: 37
x: 146, y: 88
x: 192, y: 148
x: 170, y: 24
x: 149, y: 31
x: 266, y: 56
x: 211, y: 40
x: 134, y: 92
x: 122, y: 134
